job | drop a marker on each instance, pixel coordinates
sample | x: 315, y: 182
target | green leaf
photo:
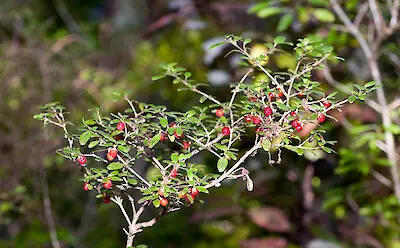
x: 217, y: 44
x: 284, y: 22
x: 124, y: 149
x: 115, y: 166
x: 202, y: 99
x: 174, y: 157
x: 266, y: 144
x: 154, y: 140
x: 179, y: 131
x: 270, y: 11
x: 352, y: 99
x: 163, y: 122
x: 93, y: 143
x: 222, y: 164
x: 324, y: 15
x: 83, y: 139
x: 190, y: 174
x: 202, y: 189
x: 370, y: 84
x: 156, y: 203
x: 90, y: 122
x: 279, y: 40
x: 132, y: 181
x: 158, y: 77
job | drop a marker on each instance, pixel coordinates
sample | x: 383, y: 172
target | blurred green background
x: 79, y: 52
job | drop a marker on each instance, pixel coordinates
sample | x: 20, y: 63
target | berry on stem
x: 106, y: 199
x: 321, y: 117
x: 163, y: 136
x: 161, y: 191
x: 85, y: 186
x: 268, y: 111
x: 121, y: 126
x: 271, y: 96
x: 256, y: 120
x: 173, y: 173
x: 280, y: 93
x: 327, y: 104
x: 219, y: 112
x: 107, y: 184
x: 164, y: 202
x: 252, y: 99
x: 112, y: 153
x: 186, y: 145
x: 299, y: 128
x: 248, y: 118
x: 194, y: 192
x: 293, y: 113
x: 82, y: 160
x: 226, y: 131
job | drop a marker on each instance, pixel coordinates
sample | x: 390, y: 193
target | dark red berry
x: 82, y: 160
x: 173, y: 173
x: 301, y: 94
x: 226, y: 131
x: 186, y: 144
x: 271, y: 96
x: 321, y: 117
x: 259, y: 129
x: 106, y: 199
x: 121, y: 126
x: 293, y: 113
x: 164, y: 202
x: 268, y: 111
x: 248, y: 118
x: 252, y: 99
x: 280, y: 93
x: 163, y: 136
x: 85, y: 186
x: 107, y: 184
x: 256, y: 120
x: 219, y: 112
x: 327, y: 104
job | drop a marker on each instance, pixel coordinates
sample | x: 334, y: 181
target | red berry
x: 295, y: 124
x: 301, y: 94
x: 299, y: 128
x: 226, y: 131
x: 161, y: 191
x: 252, y: 99
x: 219, y: 112
x: 181, y: 195
x: 173, y: 124
x: 271, y: 96
x: 82, y: 160
x: 327, y: 104
x: 186, y: 145
x: 119, y: 137
x: 113, y: 152
x: 321, y: 117
x: 121, y: 126
x: 107, y: 184
x: 280, y: 93
x: 293, y: 113
x: 85, y: 186
x: 173, y: 173
x: 163, y: 136
x: 178, y: 136
x: 164, y: 202
x: 268, y: 111
x: 194, y: 192
x: 248, y: 118
x: 256, y: 120
x: 259, y: 129
x: 106, y: 199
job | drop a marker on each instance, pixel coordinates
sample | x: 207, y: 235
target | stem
x: 233, y: 168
